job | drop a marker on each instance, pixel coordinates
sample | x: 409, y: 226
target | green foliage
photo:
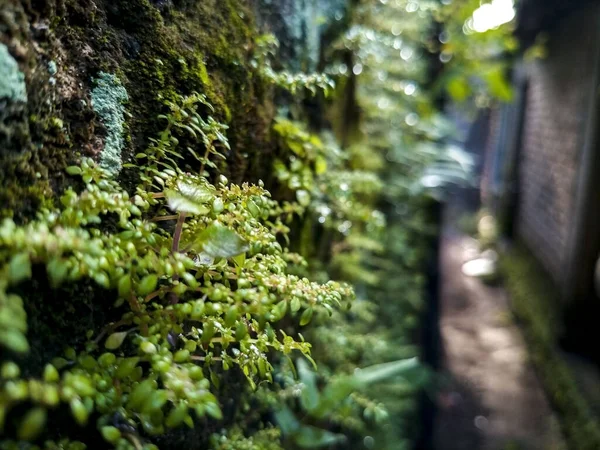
x: 204, y: 305
x: 295, y: 83
x: 476, y: 63
x: 196, y: 301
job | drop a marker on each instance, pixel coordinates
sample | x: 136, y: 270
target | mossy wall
x: 536, y: 306
x: 90, y: 78
x: 156, y: 50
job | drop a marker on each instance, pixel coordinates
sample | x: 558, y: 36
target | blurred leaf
x: 341, y: 388
x: 312, y: 437
x: 458, y: 88
x: 310, y: 393
x: 189, y: 198
x: 218, y: 241
x: 286, y: 420
x: 115, y: 340
x: 498, y: 84
x: 19, y: 268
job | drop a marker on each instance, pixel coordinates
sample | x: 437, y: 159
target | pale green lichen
x: 52, y: 68
x: 12, y: 80
x: 108, y: 98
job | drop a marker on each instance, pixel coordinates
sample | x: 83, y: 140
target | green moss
x: 108, y: 97
x: 535, y: 305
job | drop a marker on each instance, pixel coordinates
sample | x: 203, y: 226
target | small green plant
x: 198, y: 299
x: 266, y: 49
x: 339, y: 394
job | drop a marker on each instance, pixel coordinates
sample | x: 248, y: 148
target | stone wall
x: 559, y: 89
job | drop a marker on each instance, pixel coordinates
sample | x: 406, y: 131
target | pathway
x: 491, y: 398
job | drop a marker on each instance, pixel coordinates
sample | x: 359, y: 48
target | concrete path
x: 491, y: 398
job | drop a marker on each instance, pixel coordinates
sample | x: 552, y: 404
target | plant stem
x: 162, y: 218
x: 177, y: 233
x: 173, y: 299
x: 205, y: 159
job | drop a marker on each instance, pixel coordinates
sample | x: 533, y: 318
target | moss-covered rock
x: 536, y: 307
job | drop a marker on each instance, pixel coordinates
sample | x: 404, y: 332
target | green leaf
x: 458, y: 88
x: 295, y: 304
x: 110, y: 434
x: 341, y: 388
x: 189, y: 198
x: 239, y: 261
x: 286, y: 420
x: 313, y: 437
x: 279, y: 310
x: 57, y: 271
x: 74, y: 170
x: 213, y: 410
x: 126, y: 367
x: 177, y: 415
x: 218, y: 241
x: 14, y: 340
x: 19, y: 268
x: 124, y: 285
x: 79, y: 411
x: 498, y: 83
x: 320, y: 165
x: 306, y: 316
x: 32, y: 424
x: 115, y: 340
x: 147, y: 284
x: 309, y: 398
x: 303, y: 197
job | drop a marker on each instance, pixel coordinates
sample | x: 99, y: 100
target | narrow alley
x: 491, y: 398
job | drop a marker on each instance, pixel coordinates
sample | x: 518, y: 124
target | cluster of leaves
x: 196, y: 299
x: 295, y: 83
x: 476, y: 62
x: 201, y: 291
x: 387, y: 173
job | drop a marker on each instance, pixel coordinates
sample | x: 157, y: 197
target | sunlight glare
x: 492, y: 15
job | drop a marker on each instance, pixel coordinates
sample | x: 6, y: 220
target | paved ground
x: 491, y: 398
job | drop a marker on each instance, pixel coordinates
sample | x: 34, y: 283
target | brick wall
x: 559, y: 89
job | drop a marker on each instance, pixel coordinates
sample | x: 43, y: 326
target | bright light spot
x: 411, y: 119
x: 396, y: 30
x: 445, y: 57
x: 357, y: 69
x: 492, y: 15
x: 383, y: 103
x: 406, y: 54
x: 412, y: 7
x: 382, y: 76
x: 397, y: 44
x: 343, y: 69
x: 410, y: 89
x: 479, y: 267
x: 344, y: 228
x: 431, y: 181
